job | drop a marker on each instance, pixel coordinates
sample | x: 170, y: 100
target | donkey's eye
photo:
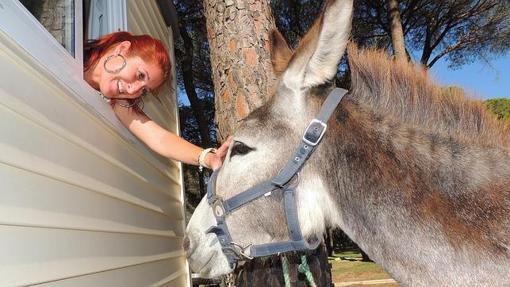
x: 240, y: 148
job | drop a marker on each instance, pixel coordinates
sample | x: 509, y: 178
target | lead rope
x: 303, y: 268
x: 285, y: 269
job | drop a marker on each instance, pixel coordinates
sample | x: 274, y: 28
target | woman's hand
x: 215, y: 160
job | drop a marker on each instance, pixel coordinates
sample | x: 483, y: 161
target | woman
x: 125, y: 67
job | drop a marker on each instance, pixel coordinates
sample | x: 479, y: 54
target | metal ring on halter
x: 242, y: 250
x: 118, y: 69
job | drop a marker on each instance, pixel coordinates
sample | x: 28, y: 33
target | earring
x: 118, y: 69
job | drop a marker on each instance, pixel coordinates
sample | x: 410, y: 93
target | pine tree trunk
x: 243, y: 80
x: 56, y: 18
x: 242, y: 74
x: 397, y: 32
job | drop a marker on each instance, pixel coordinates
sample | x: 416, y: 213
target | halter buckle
x: 314, y: 132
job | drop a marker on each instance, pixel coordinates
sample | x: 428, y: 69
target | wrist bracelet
x: 201, y: 157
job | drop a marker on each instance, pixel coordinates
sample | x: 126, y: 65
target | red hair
x: 144, y: 46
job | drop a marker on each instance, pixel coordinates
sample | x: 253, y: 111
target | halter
x: 285, y: 181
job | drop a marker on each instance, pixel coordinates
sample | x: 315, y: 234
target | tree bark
x: 397, y: 32
x: 56, y: 16
x: 238, y: 38
x: 243, y: 79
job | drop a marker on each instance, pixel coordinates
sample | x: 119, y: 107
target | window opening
x: 56, y: 16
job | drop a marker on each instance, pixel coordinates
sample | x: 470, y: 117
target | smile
x: 119, y: 87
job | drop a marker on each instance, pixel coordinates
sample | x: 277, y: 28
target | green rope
x: 302, y: 268
x: 305, y: 269
x: 285, y: 269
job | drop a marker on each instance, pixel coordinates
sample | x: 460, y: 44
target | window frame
x: 19, y: 24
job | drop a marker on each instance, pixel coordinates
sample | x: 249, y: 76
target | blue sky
x: 479, y: 79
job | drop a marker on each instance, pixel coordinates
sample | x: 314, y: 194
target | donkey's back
x: 442, y: 168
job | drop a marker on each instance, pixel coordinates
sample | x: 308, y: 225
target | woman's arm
x: 164, y: 142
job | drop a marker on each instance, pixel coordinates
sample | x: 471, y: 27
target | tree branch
x: 189, y: 86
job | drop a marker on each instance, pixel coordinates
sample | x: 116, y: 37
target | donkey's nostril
x: 186, y: 243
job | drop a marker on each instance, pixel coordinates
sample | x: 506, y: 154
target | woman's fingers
x: 221, y: 152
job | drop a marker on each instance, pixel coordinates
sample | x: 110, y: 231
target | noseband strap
x: 282, y: 182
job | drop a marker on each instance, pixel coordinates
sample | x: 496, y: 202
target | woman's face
x: 132, y: 81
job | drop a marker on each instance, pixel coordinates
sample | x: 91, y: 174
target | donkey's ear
x: 280, y: 52
x: 316, y: 59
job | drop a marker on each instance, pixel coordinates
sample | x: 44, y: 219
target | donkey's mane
x: 404, y: 91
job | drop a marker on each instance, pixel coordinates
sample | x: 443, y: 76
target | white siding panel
x: 60, y: 254
x: 31, y: 147
x: 158, y: 273
x: 80, y: 203
x: 29, y: 199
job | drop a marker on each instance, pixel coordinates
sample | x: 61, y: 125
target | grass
x: 347, y: 267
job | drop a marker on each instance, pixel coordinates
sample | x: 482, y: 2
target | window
x: 49, y: 30
x: 56, y: 16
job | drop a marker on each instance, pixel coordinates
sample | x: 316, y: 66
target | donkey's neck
x: 417, y: 200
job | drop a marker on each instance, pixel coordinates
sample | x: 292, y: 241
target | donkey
x: 418, y: 179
